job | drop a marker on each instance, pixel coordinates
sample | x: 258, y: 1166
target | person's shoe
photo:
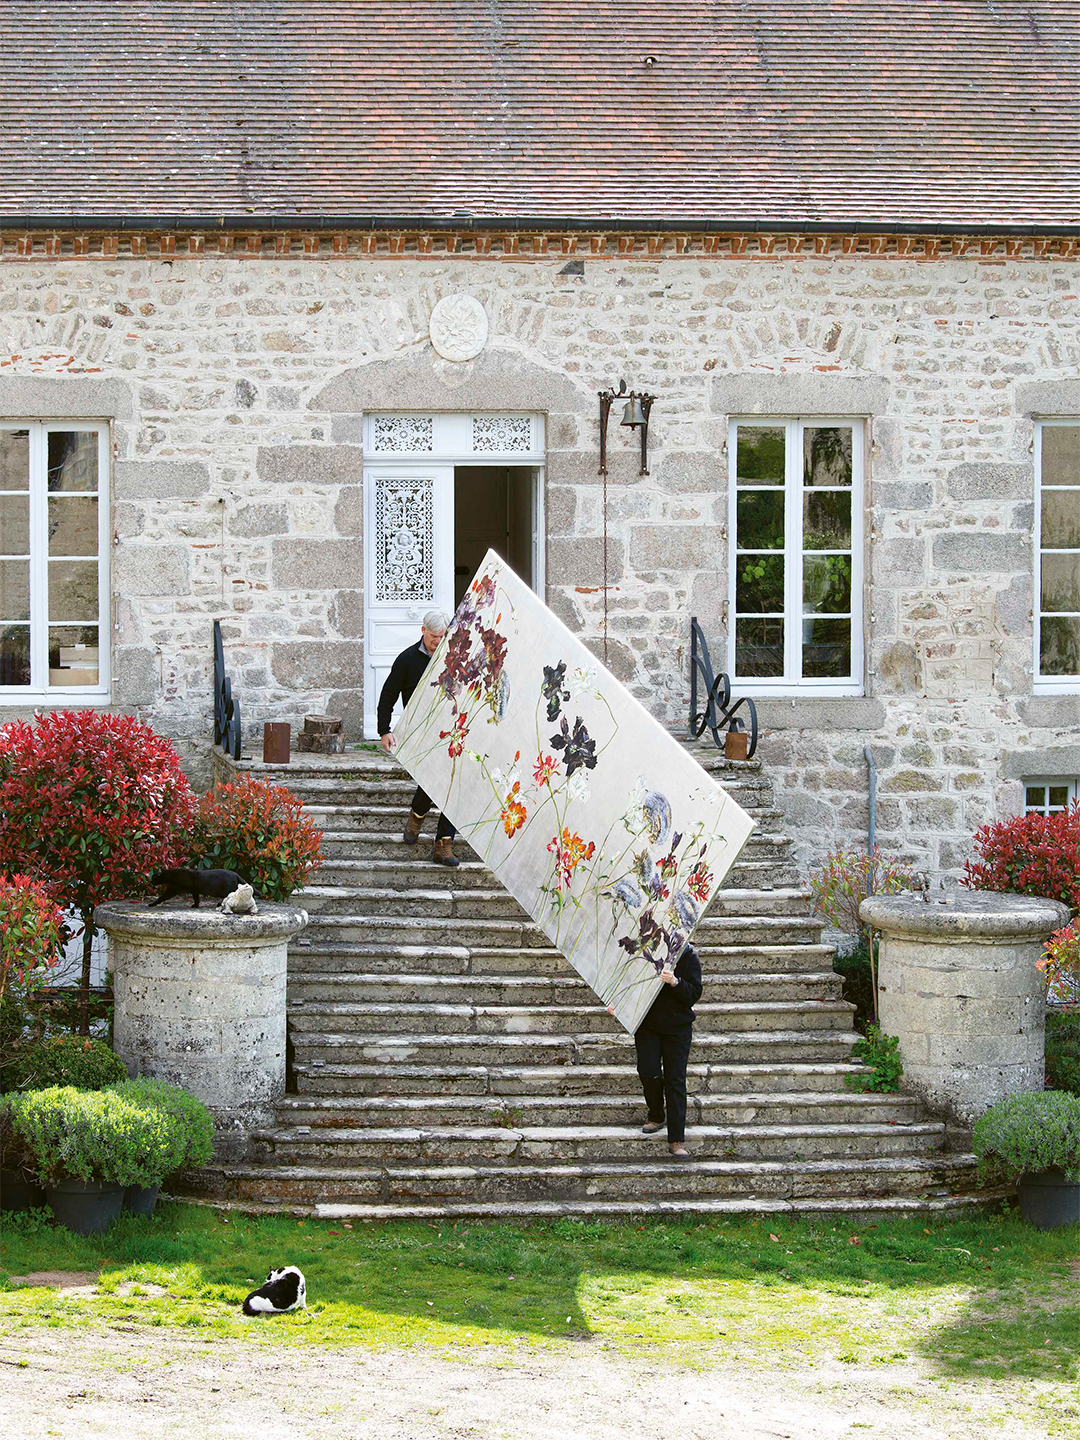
x: 412, y: 828
x: 652, y: 1127
x: 679, y: 1150
x: 443, y: 853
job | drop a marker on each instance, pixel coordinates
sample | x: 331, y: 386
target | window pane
x: 1061, y: 519
x: 827, y: 520
x: 15, y: 655
x: 73, y: 460
x: 760, y: 519
x: 14, y: 525
x: 760, y: 454
x: 1059, y: 796
x: 1059, y: 647
x: 759, y: 649
x: 14, y: 460
x: 1061, y: 583
x: 73, y: 590
x: 1061, y: 455
x: 759, y: 583
x: 1034, y: 797
x: 826, y: 649
x: 73, y: 525
x: 826, y: 455
x: 14, y: 590
x: 73, y: 655
x: 827, y: 584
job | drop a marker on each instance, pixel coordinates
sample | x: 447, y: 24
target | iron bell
x: 634, y: 414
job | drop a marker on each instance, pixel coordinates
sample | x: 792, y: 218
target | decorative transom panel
x: 404, y: 434
x: 404, y: 565
x: 501, y: 434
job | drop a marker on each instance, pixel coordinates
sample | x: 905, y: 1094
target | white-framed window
x: 54, y: 581
x: 1045, y: 795
x: 1057, y: 555
x: 795, y: 572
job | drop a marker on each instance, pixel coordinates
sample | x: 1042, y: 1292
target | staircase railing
x: 717, y: 711
x: 226, y: 706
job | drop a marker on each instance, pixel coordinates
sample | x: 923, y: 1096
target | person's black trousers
x: 661, y: 1068
x: 421, y: 804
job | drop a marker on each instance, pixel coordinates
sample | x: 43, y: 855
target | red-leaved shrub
x: 1030, y: 855
x: 260, y: 831
x: 90, y: 806
x: 31, y: 933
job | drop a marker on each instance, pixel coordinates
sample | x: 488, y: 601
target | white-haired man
x: 403, y: 679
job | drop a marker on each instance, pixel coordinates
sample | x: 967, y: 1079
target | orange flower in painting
x: 545, y: 767
x: 569, y: 850
x: 513, y: 811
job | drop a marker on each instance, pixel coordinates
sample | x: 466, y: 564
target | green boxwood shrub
x: 65, y: 1060
x: 1063, y: 1050
x: 193, y: 1127
x: 1025, y: 1134
x: 92, y: 1135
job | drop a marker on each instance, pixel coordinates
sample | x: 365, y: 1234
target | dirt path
x: 144, y: 1384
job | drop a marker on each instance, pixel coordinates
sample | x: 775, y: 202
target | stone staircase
x: 448, y: 1062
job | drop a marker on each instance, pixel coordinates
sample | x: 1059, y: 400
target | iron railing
x: 226, y: 705
x: 717, y: 711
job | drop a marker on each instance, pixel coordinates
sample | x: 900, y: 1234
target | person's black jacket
x: 672, y: 1010
x: 403, y: 679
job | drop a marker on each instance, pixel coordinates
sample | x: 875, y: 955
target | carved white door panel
x: 408, y: 563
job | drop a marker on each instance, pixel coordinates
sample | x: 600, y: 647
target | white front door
x: 409, y: 522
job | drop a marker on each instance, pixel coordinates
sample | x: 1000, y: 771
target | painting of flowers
x: 590, y: 813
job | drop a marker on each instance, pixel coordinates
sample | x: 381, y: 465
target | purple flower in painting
x: 553, y: 688
x: 647, y: 940
x: 649, y: 874
x: 577, y: 748
x: 685, y: 909
x: 657, y: 811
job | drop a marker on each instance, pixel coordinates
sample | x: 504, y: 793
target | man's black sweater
x: 672, y: 1010
x: 403, y: 679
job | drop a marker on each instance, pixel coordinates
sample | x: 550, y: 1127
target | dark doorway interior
x: 493, y: 508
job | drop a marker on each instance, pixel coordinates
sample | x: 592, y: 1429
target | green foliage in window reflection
x: 827, y: 584
x: 760, y: 453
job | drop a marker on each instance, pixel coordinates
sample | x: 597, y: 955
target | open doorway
x: 495, y: 507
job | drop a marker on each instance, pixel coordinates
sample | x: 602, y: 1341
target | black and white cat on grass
x: 284, y: 1290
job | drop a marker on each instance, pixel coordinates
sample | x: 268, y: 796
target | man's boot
x: 412, y: 828
x: 443, y: 853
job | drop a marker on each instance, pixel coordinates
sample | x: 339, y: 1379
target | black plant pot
x: 19, y: 1193
x: 141, y: 1199
x: 85, y: 1206
x: 1048, y: 1200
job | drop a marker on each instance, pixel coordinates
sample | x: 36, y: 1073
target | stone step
x: 308, y: 956
x: 297, y: 1145
x: 390, y: 818
x: 387, y: 844
x: 414, y: 869
x: 537, y: 1188
x: 363, y: 987
x: 367, y: 758
x: 473, y: 903
x: 393, y: 1017
x: 332, y: 928
x: 328, y: 1078
x: 745, y: 790
x: 369, y: 1047
x: 530, y: 1111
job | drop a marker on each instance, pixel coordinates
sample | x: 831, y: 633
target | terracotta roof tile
x: 826, y: 111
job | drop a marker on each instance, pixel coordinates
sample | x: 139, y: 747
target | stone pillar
x: 200, y: 1002
x: 957, y: 984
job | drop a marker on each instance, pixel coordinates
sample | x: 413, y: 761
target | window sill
x: 59, y: 699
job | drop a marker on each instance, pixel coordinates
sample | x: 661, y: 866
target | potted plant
x: 86, y: 1146
x: 192, y: 1133
x: 1034, y: 1139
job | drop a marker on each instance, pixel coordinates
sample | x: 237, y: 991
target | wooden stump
x: 321, y: 735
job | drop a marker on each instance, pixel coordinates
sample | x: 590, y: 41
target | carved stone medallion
x: 459, y: 327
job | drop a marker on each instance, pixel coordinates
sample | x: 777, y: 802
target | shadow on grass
x: 1004, y: 1291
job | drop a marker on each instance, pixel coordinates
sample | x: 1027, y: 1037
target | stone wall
x: 236, y: 386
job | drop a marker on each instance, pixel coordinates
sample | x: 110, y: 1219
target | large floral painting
x: 591, y: 814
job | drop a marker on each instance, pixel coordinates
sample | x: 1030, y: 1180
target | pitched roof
x: 943, y: 113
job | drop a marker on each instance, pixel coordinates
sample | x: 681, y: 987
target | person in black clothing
x: 403, y: 679
x: 662, y: 1041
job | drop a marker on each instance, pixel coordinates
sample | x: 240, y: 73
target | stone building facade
x: 232, y: 376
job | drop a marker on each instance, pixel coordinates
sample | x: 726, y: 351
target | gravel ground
x: 143, y: 1383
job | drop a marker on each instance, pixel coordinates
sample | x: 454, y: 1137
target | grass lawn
x: 983, y: 1296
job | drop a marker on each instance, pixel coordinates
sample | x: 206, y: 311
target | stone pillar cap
x: 136, y: 920
x: 968, y: 914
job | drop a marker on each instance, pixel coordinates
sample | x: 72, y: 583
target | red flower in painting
x: 484, y: 591
x: 456, y: 735
x: 545, y: 767
x: 699, y: 882
x: 513, y: 812
x: 569, y: 850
